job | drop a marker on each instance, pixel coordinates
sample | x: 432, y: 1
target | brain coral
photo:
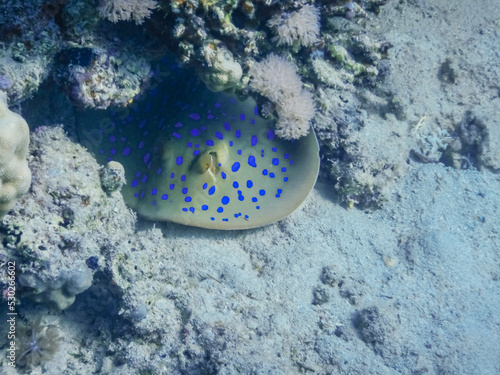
x: 15, y: 176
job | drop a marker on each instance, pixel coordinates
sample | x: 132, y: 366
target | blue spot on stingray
x: 252, y: 121
x: 184, y: 190
x: 227, y: 126
x: 291, y: 162
x: 134, y: 183
x: 285, y: 179
x: 144, y: 179
x: 205, y: 186
x: 223, y: 175
x: 178, y: 160
x: 264, y: 172
x: 164, y: 197
x: 210, y: 142
x: 217, y: 105
x: 283, y: 169
x: 219, y: 135
x: 274, y: 149
x: 254, y: 199
x: 184, y: 209
x: 197, y: 145
x: 187, y: 199
x: 276, y: 161
x: 211, y: 191
x: 255, y: 112
x: 253, y: 141
x: 126, y: 151
x: 194, y: 116
x: 246, y: 216
x: 242, y: 116
x: 204, y: 207
x: 112, y: 138
x: 262, y: 192
x: 158, y: 171
x: 220, y: 210
x: 194, y: 132
x: 183, y: 177
x: 258, y: 207
x: 172, y: 175
x: 146, y: 157
x: 249, y: 184
x: 251, y: 161
x: 225, y: 200
x: 178, y: 125
x: 153, y: 192
x: 137, y: 174
x: 241, y: 197
x: 136, y: 195
x: 286, y: 156
x: 196, y: 152
x: 212, y: 218
x: 153, y: 202
x: 271, y: 175
x: 189, y: 144
x: 113, y: 151
x: 176, y: 135
x: 238, y: 133
x: 172, y: 186
x: 235, y: 167
x: 239, y: 152
x: 235, y: 184
x: 230, y: 143
x: 270, y: 134
x: 141, y: 144
x: 191, y: 209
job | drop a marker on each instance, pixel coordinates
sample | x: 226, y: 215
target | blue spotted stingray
x: 203, y: 159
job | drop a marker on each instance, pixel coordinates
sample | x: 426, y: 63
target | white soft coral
x: 277, y: 79
x: 300, y: 27
x: 126, y: 10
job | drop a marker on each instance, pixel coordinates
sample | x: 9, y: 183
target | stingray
x: 200, y: 158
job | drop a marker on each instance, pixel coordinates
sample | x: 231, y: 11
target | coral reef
x: 76, y: 215
x: 15, y: 176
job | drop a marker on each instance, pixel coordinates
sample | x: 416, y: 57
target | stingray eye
x: 204, y: 162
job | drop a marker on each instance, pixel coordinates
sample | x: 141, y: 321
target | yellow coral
x: 15, y: 176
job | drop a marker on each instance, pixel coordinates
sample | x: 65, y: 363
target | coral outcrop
x: 15, y: 176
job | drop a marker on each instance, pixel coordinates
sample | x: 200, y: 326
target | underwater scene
x: 254, y: 187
